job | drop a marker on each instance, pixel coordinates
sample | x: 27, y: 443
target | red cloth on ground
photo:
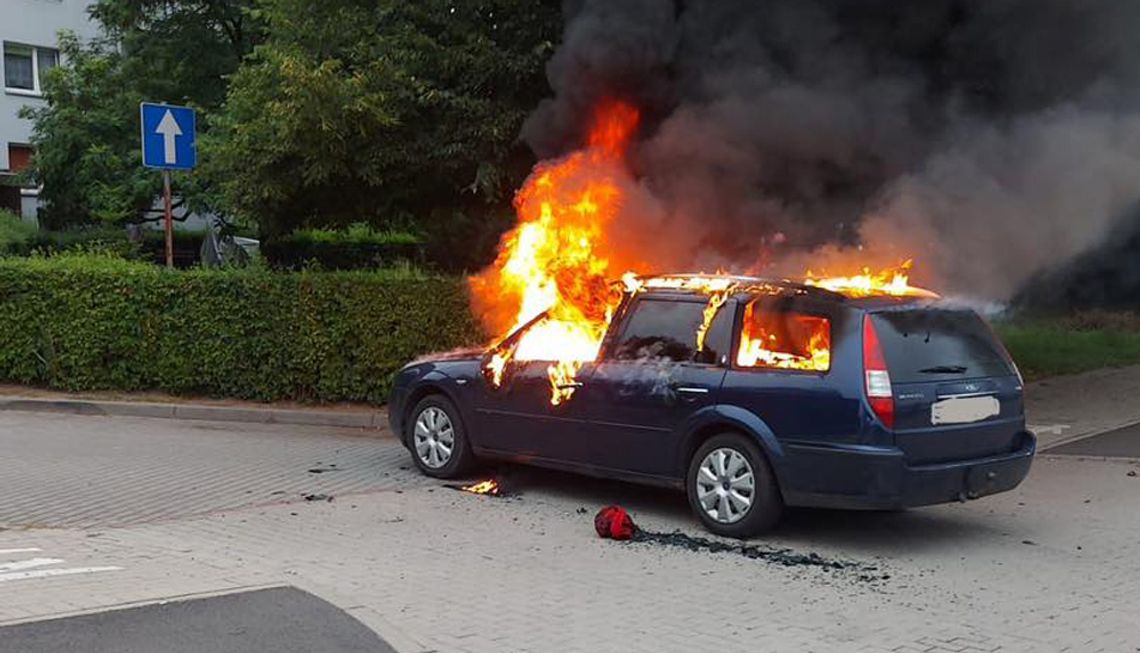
x: 615, y: 523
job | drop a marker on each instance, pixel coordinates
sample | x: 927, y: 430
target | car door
x: 648, y: 381
x: 518, y: 418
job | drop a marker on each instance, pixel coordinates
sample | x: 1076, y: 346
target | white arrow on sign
x: 169, y: 129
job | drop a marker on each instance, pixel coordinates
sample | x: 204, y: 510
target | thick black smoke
x: 989, y: 139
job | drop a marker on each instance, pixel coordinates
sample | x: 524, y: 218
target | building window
x: 26, y: 66
x: 19, y: 157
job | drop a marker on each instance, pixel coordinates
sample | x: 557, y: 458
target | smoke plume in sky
x: 989, y: 139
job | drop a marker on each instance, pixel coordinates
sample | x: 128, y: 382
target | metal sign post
x: 169, y: 214
x: 169, y: 142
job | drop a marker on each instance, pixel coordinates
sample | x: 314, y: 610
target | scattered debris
x: 317, y: 497
x: 322, y: 470
x: 1132, y: 473
x: 1029, y: 542
x: 581, y: 510
x: 613, y: 522
x: 784, y: 557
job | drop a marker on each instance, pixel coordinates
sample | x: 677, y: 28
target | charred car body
x: 776, y: 394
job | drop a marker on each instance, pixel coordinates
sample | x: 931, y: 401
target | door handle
x: 569, y: 386
x: 692, y: 390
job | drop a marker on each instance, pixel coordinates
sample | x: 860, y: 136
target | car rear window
x: 937, y: 345
x: 784, y: 340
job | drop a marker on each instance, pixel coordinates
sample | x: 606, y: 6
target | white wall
x: 36, y: 23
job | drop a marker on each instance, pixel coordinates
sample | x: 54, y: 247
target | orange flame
x: 785, y: 340
x: 555, y: 259
x: 554, y: 268
x: 490, y: 486
x: 891, y: 281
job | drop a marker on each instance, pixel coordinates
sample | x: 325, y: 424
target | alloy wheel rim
x: 434, y: 437
x: 726, y: 485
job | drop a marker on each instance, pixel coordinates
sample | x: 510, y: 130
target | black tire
x: 766, y: 503
x: 461, y: 459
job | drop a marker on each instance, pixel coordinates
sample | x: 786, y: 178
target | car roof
x: 690, y: 284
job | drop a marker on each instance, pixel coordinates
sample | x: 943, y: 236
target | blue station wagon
x: 795, y: 396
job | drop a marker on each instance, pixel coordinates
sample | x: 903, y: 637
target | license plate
x: 963, y: 410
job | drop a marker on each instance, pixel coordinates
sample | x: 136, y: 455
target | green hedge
x: 359, y: 247
x: 107, y: 239
x: 85, y: 322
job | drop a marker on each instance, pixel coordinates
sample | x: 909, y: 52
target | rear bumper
x: 864, y: 477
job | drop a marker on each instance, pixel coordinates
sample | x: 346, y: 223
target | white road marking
x: 43, y: 573
x: 28, y: 564
x: 30, y: 550
x: 1054, y: 429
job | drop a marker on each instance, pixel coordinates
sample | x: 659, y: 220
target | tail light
x: 876, y: 378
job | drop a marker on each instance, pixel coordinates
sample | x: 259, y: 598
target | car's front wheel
x: 731, y: 487
x: 437, y: 439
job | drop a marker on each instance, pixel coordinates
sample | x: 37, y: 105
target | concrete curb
x: 1077, y: 437
x: 344, y: 418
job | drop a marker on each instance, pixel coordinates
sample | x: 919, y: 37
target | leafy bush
x: 89, y: 322
x: 187, y: 247
x: 360, y: 247
x: 14, y: 232
x: 358, y: 233
x: 103, y: 238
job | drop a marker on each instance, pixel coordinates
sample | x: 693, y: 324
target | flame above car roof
x: 705, y: 283
x: 712, y: 283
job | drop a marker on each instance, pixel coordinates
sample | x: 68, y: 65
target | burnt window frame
x: 786, y: 305
x: 629, y: 306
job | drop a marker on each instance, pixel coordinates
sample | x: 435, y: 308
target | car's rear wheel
x: 437, y: 438
x: 731, y: 487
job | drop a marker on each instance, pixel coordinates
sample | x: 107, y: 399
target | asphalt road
x: 277, y: 620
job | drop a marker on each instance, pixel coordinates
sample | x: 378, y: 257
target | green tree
x: 86, y: 137
x: 390, y: 112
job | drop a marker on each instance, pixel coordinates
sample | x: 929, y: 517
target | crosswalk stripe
x: 9, y: 551
x: 43, y: 573
x: 28, y: 564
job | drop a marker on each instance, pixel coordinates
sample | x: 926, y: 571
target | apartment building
x: 29, y: 32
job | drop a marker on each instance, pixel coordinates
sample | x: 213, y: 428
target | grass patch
x: 1045, y: 347
x: 14, y: 232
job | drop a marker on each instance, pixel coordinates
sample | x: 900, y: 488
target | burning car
x: 750, y: 394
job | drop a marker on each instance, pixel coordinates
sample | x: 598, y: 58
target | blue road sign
x: 169, y: 136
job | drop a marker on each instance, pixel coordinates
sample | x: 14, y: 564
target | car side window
x: 660, y: 329
x: 783, y: 339
x: 718, y: 337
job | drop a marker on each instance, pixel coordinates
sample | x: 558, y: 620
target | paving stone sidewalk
x: 1049, y: 567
